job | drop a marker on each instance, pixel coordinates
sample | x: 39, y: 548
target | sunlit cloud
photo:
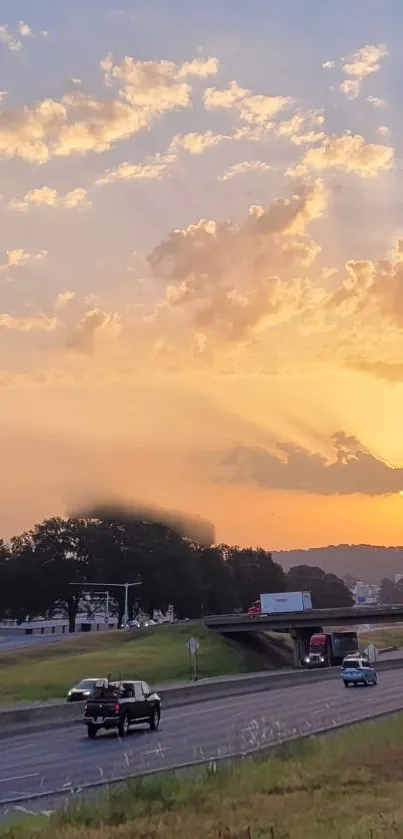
x: 18, y: 258
x: 245, y: 167
x: 154, y: 169
x: 348, y: 152
x: 47, y: 197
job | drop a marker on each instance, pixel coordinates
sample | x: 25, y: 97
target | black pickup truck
x: 120, y: 705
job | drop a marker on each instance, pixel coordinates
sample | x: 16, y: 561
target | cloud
x: 152, y: 170
x: 255, y: 110
x: 352, y: 469
x: 7, y: 38
x: 96, y: 322
x: 388, y: 371
x: 195, y: 143
x: 363, y: 63
x: 350, y: 88
x: 244, y: 168
x: 348, y: 152
x: 12, y: 38
x: 63, y: 298
x: 17, y: 258
x: 376, y: 102
x: 40, y: 323
x: 374, y: 288
x: 191, y: 527
x: 79, y: 123
x: 225, y: 273
x: 47, y: 197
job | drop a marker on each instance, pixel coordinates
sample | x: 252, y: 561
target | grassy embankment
x: 348, y: 786
x: 158, y: 655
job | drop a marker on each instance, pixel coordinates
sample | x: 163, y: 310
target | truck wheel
x: 346, y: 684
x: 124, y: 726
x: 154, y: 719
x: 92, y: 731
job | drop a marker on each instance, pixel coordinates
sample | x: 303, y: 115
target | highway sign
x: 372, y: 653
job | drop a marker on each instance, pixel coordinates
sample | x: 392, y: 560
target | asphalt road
x: 64, y: 759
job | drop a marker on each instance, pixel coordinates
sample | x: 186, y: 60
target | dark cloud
x: 388, y: 371
x: 352, y: 469
x: 192, y: 527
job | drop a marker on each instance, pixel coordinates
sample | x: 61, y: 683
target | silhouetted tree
x: 391, y: 592
x: 328, y: 591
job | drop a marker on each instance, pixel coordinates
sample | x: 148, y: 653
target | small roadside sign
x: 372, y: 653
x: 193, y: 646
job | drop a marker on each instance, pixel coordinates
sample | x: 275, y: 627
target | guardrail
x: 61, y: 713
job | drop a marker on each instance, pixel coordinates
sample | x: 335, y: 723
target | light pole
x: 126, y: 587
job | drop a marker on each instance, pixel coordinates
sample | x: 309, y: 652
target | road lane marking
x: 19, y: 778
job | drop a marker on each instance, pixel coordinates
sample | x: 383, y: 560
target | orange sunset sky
x: 201, y: 264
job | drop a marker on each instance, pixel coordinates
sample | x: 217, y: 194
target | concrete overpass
x: 301, y: 625
x: 288, y: 621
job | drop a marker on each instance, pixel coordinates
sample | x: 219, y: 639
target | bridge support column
x: 300, y: 639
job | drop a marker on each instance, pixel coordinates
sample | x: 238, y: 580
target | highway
x: 64, y: 759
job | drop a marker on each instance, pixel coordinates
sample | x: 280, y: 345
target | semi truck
x: 327, y: 649
x: 283, y: 601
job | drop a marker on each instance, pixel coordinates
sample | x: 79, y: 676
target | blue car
x: 358, y: 671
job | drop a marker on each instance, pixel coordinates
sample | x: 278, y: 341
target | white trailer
x: 285, y: 601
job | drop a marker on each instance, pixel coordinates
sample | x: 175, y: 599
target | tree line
x: 38, y: 567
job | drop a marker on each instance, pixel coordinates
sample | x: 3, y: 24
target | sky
x: 201, y: 264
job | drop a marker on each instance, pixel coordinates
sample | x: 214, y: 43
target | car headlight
x: 306, y: 659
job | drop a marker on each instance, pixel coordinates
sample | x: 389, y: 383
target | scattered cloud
x: 255, y: 110
x: 95, y: 323
x: 63, y: 298
x: 154, y: 169
x: 31, y: 323
x: 246, y: 167
x: 372, y: 288
x: 363, y: 63
x: 47, y: 197
x: 11, y: 36
x: 225, y: 273
x: 195, y: 143
x: 351, y: 469
x: 348, y: 152
x: 376, y: 102
x: 79, y: 123
x: 17, y: 258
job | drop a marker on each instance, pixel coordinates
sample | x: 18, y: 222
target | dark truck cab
x: 120, y: 705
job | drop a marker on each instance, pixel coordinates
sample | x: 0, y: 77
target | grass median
x: 346, y: 786
x: 158, y: 655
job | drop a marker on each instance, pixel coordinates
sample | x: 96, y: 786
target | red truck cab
x: 255, y: 609
x: 327, y: 649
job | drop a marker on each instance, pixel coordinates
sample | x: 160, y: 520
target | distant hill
x: 367, y: 562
